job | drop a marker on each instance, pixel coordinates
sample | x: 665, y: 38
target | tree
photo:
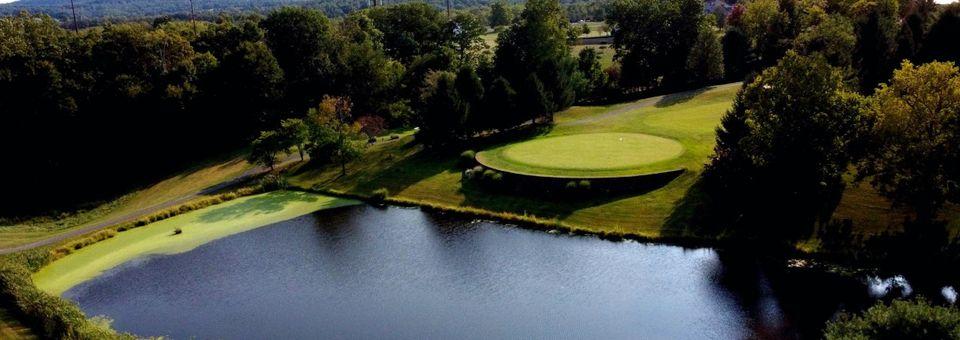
x: 915, y: 160
x: 654, y: 40
x: 783, y: 149
x: 535, y: 101
x: 941, y: 42
x: 500, y: 105
x: 294, y: 132
x: 876, y: 27
x: 444, y: 114
x: 465, y: 32
x: 332, y: 137
x: 264, y: 149
x: 470, y: 93
x: 588, y: 63
x: 363, y: 68
x: 737, y: 58
x: 538, y: 41
x: 409, y: 29
x: 705, y: 61
x: 499, y: 13
x: 901, y: 320
x: 833, y: 37
x: 302, y: 42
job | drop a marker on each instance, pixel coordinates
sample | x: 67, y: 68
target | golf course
x: 592, y: 155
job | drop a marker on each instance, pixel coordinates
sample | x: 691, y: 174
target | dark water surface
x: 364, y: 272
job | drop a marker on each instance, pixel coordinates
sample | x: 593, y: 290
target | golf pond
x: 302, y: 266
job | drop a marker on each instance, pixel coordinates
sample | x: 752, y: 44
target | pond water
x: 366, y: 272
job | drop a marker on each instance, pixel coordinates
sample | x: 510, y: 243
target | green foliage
x: 900, y: 320
x: 654, y: 40
x: 444, y: 114
x: 583, y: 185
x: 500, y: 13
x: 914, y: 156
x: 48, y: 316
x: 790, y: 137
x: 409, y: 29
x: 467, y: 159
x: 705, y: 61
x: 536, y: 47
x: 380, y: 195
x: 833, y: 37
x: 333, y: 138
x: 941, y: 41
x: 588, y: 63
x: 737, y: 58
x: 264, y: 149
x: 303, y: 43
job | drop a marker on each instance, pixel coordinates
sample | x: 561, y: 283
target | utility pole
x: 193, y: 17
x: 448, y: 9
x: 76, y: 26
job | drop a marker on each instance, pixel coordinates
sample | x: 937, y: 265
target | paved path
x: 71, y: 233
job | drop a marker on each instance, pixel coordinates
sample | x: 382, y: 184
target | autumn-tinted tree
x: 333, y: 137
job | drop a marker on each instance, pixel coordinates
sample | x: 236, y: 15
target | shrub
x: 273, y: 182
x: 488, y: 174
x: 584, y: 185
x: 478, y: 169
x: 380, y: 195
x: 898, y: 320
x: 393, y: 137
x: 571, y: 185
x: 467, y: 159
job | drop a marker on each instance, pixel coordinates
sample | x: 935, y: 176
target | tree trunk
x: 343, y: 168
x: 300, y: 150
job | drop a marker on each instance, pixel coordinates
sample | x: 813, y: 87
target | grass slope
x: 184, y: 184
x: 590, y: 155
x: 198, y: 227
x: 12, y: 329
x: 411, y: 173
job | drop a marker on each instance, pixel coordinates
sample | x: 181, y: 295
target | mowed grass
x: 198, y: 227
x: 591, y: 155
x: 411, y: 173
x: 181, y: 185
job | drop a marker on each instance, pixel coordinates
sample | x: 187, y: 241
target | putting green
x: 593, y: 155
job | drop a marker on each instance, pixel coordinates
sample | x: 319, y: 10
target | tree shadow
x: 263, y: 204
x: 680, y: 97
x: 550, y: 200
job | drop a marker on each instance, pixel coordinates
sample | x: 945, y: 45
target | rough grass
x: 590, y: 155
x: 414, y: 175
x: 178, y: 186
x: 198, y: 227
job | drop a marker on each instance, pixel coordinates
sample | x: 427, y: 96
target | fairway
x: 591, y: 155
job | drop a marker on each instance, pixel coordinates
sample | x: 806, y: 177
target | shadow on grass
x: 522, y: 195
x: 263, y: 204
x: 680, y: 97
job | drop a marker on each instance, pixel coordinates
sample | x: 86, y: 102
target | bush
x: 898, y: 320
x: 274, y: 182
x: 467, y: 159
x: 584, y: 185
x: 380, y: 195
x: 177, y: 231
x: 571, y: 185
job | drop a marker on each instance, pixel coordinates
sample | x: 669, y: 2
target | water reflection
x: 365, y: 272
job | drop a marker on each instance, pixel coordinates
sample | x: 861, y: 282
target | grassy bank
x: 197, y: 227
x: 179, y: 186
x: 425, y: 177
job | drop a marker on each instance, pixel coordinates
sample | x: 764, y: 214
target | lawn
x: 199, y: 227
x: 181, y: 185
x: 591, y: 155
x: 411, y: 173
